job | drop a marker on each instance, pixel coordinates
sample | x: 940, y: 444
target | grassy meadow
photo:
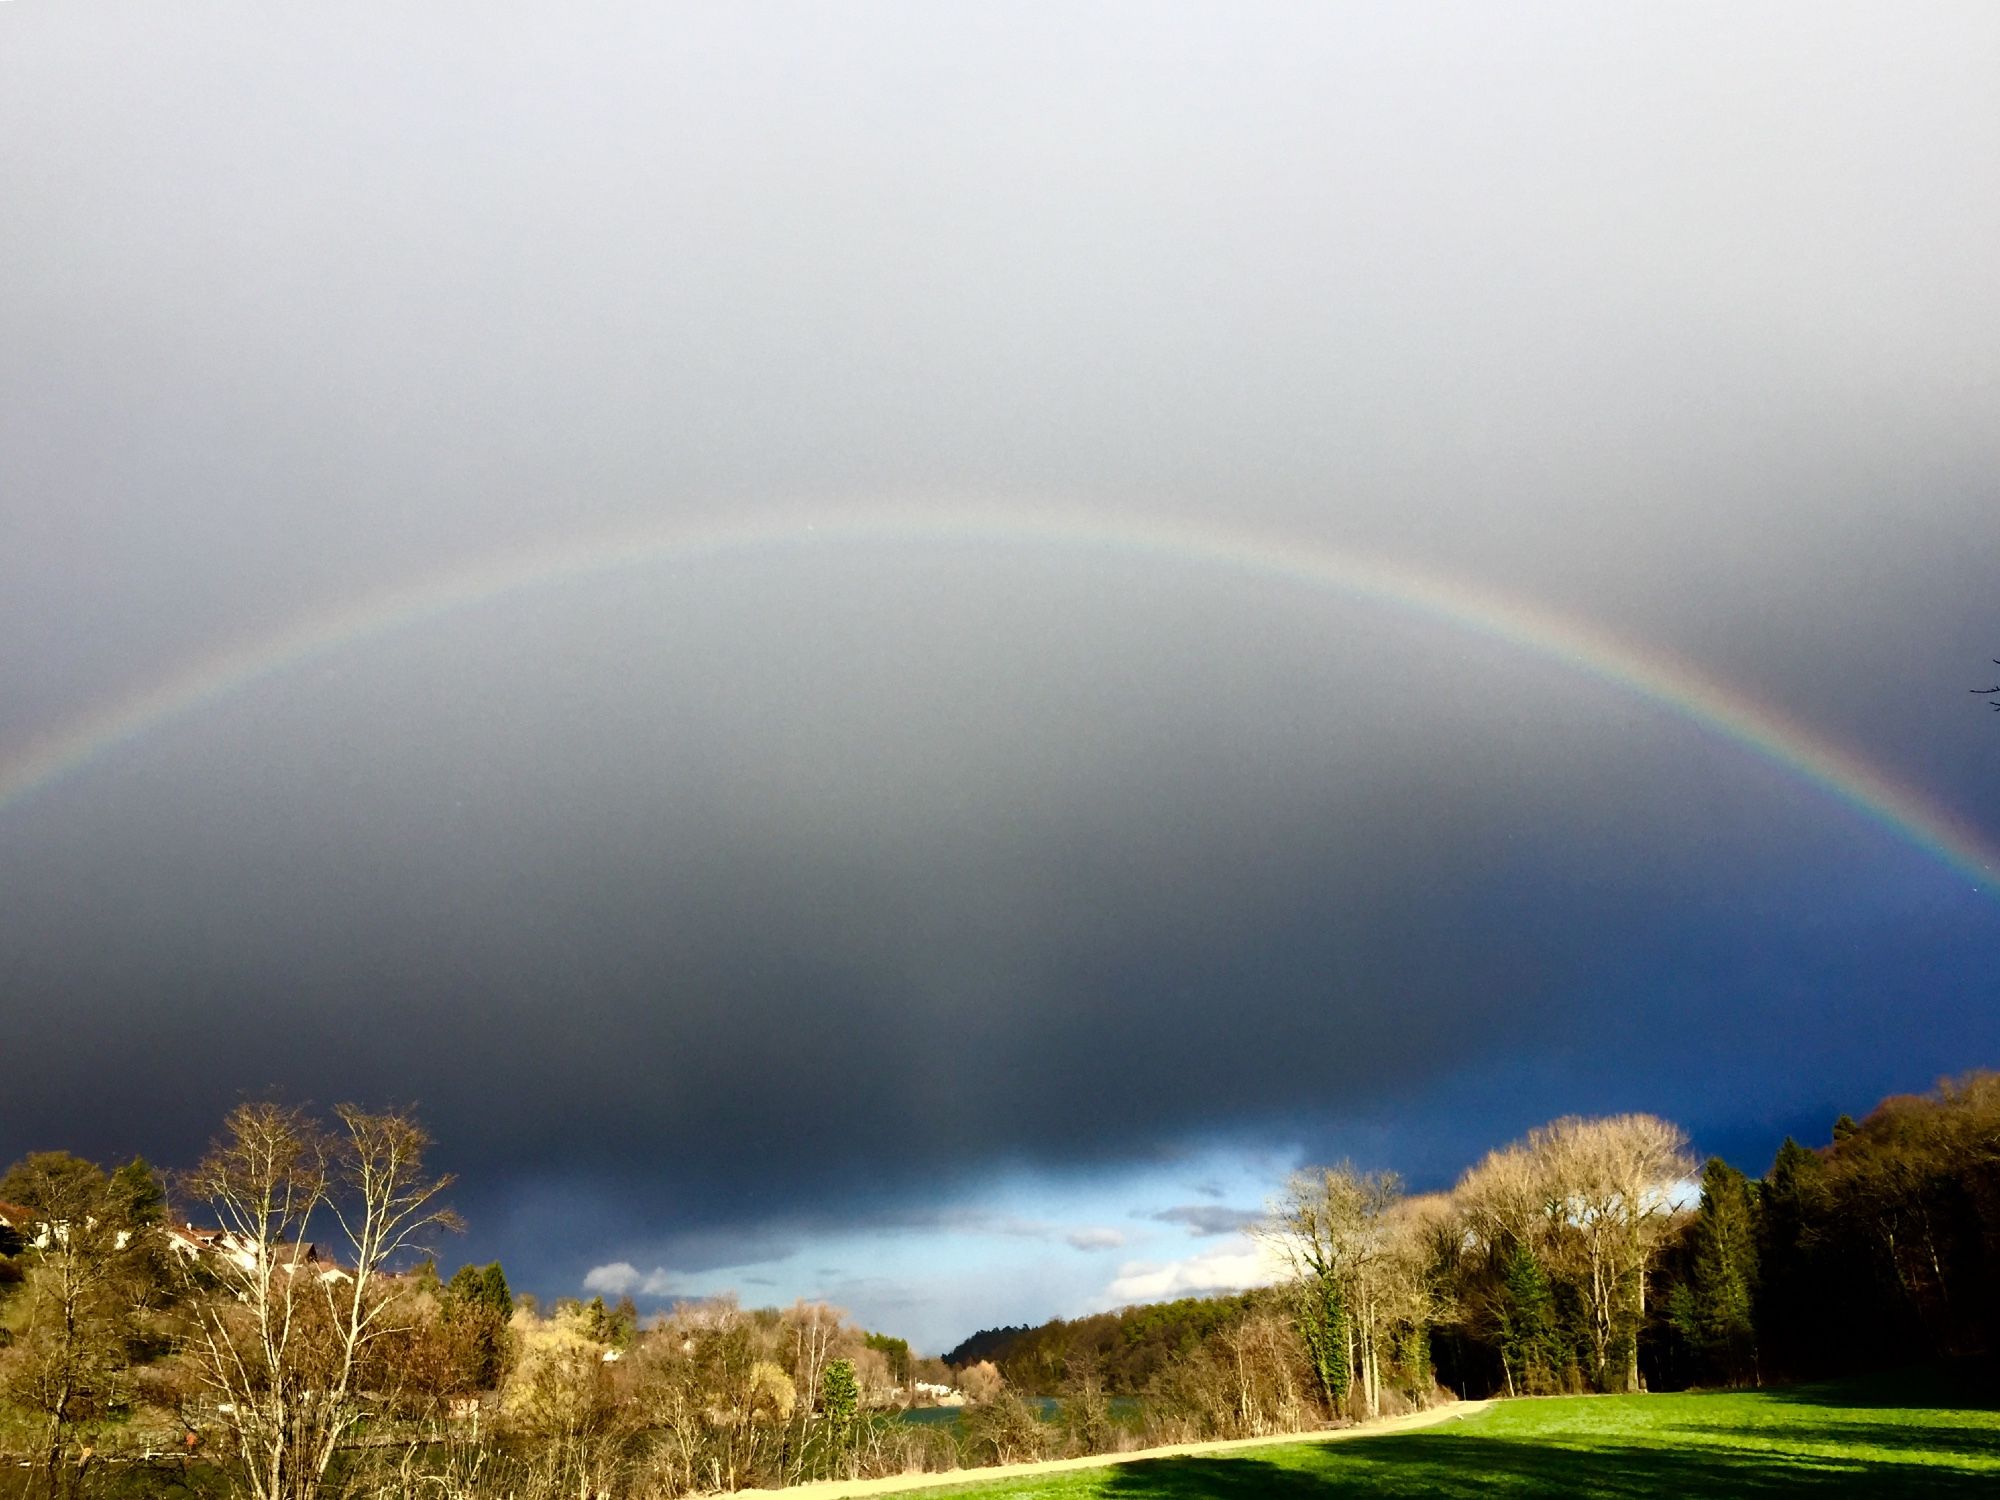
x: 1915, y: 1435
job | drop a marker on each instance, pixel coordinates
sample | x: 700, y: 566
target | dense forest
x: 216, y: 1340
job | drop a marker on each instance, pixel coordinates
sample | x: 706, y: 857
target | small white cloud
x: 1095, y: 1239
x: 623, y: 1279
x: 618, y: 1278
x: 1227, y: 1269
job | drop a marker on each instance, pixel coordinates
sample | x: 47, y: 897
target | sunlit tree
x: 87, y: 1277
x: 288, y: 1350
x: 1593, y: 1200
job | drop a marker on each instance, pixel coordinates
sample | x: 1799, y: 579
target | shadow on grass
x: 1926, y: 1441
x: 1968, y: 1384
x: 1419, y: 1464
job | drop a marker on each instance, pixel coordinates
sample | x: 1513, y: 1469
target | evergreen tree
x: 839, y: 1400
x: 896, y: 1351
x: 616, y: 1326
x: 477, y: 1305
x: 483, y: 1287
x: 1714, y: 1308
x: 136, y: 1187
x: 1530, y: 1348
x: 1789, y: 1309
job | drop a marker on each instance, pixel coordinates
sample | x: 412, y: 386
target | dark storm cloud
x: 874, y: 920
x: 707, y: 907
x: 1204, y: 1220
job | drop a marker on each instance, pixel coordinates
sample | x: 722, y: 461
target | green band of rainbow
x: 1547, y: 633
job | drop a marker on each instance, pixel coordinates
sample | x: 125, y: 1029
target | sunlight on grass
x: 1854, y: 1438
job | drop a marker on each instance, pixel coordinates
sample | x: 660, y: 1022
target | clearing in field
x: 1913, y: 1436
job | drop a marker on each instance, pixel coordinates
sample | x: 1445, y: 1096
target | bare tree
x: 84, y: 1286
x: 815, y: 1328
x: 1502, y: 1225
x: 286, y: 1351
x: 1008, y: 1428
x: 1618, y: 1177
x: 1257, y: 1355
x: 1335, y: 1227
x: 712, y: 1403
x: 981, y: 1382
x: 1593, y: 1199
x: 559, y: 1398
x: 1990, y: 692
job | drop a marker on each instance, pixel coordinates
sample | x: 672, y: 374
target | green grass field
x: 1917, y: 1435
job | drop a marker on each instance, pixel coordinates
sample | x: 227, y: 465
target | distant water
x: 932, y: 1416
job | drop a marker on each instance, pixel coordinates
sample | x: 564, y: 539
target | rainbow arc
x: 1578, y: 644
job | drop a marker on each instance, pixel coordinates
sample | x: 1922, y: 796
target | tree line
x: 298, y: 1342
x: 1591, y: 1255
x: 285, y: 1335
x: 1129, y: 1348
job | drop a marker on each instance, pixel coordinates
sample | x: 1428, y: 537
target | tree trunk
x: 1600, y: 1321
x: 1638, y: 1324
x: 55, y: 1448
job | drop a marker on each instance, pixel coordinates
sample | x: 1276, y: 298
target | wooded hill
x: 1128, y: 1348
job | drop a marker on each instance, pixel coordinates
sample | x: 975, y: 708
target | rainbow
x: 1547, y: 633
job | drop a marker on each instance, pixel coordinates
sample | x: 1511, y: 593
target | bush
x: 1006, y: 1430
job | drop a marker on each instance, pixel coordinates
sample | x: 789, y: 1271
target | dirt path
x: 828, y: 1489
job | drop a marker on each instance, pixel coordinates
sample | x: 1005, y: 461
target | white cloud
x: 622, y: 1279
x: 618, y: 1278
x: 1229, y: 1268
x: 1095, y: 1239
